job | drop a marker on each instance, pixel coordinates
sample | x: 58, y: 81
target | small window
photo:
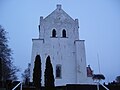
x: 58, y: 71
x: 63, y: 33
x: 53, y: 33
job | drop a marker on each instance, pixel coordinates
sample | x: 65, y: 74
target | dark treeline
x: 7, y: 69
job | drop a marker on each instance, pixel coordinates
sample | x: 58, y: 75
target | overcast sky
x: 99, y: 22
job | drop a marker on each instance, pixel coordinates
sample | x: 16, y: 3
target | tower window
x: 58, y: 71
x: 63, y: 33
x: 53, y: 33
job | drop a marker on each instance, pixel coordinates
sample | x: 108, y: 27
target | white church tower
x: 59, y: 39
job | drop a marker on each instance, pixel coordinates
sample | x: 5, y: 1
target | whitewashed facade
x: 59, y: 39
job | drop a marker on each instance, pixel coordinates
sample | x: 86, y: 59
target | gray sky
x: 99, y: 22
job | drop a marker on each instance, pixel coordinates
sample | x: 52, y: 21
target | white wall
x: 69, y: 52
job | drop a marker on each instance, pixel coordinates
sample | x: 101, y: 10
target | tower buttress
x: 40, y: 28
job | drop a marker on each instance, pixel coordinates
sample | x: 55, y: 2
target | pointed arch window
x: 58, y: 71
x: 53, y: 33
x: 64, y: 33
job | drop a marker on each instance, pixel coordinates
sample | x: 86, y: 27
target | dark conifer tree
x: 49, y: 77
x: 0, y: 69
x: 7, y: 69
x: 37, y: 72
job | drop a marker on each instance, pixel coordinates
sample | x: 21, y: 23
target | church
x: 59, y: 39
